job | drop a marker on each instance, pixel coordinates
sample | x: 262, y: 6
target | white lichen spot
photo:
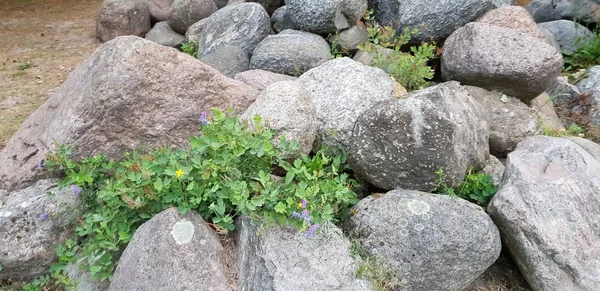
x: 559, y: 259
x: 404, y: 232
x: 419, y: 227
x: 407, y: 267
x: 403, y: 223
x: 418, y: 207
x: 425, y: 216
x: 182, y: 232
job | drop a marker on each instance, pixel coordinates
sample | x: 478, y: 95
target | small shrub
x: 191, y: 48
x: 476, y: 187
x: 586, y: 56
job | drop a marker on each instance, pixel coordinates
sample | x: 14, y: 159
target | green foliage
x: 226, y: 172
x: 476, y: 187
x: 336, y: 50
x: 373, y: 269
x: 410, y: 69
x: 587, y: 55
x: 191, y: 48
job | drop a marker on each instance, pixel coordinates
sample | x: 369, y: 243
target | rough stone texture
x: 287, y: 108
x: 495, y: 168
x: 351, y: 37
x: 432, y: 242
x: 550, y: 38
x: 342, y: 90
x: 325, y: 16
x: 543, y: 10
x: 569, y: 35
x: 122, y: 17
x: 172, y: 252
x: 119, y: 99
x: 502, y: 3
x: 591, y: 83
x: 590, y: 107
x: 84, y: 280
x: 291, y: 52
x: 435, y: 19
x: 582, y: 10
x: 563, y: 92
x: 260, y: 79
x: 547, y: 210
x: 243, y: 25
x: 282, y: 259
x: 28, y: 240
x: 229, y: 60
x: 498, y: 58
x: 547, y: 116
x: 511, y: 121
x: 159, y: 9
x: 163, y: 34
x: 184, y: 13
x: 366, y: 58
x: 269, y: 5
x: 589, y: 146
x: 514, y: 17
x: 280, y: 20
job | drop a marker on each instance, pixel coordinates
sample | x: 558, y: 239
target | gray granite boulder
x: 511, y: 121
x: 291, y: 52
x: 159, y: 9
x: 543, y: 10
x: 547, y: 210
x: 122, y: 17
x: 163, y: 34
x: 282, y: 259
x: 184, y: 13
x: 502, y: 59
x: 432, y: 242
x: 260, y: 79
x: 435, y: 19
x: 119, y: 99
x: 287, y: 108
x: 172, y: 252
x: 280, y: 20
x: 32, y: 224
x: 229, y: 60
x: 243, y: 25
x: 402, y: 143
x: 569, y: 35
x: 324, y: 16
x: 342, y: 90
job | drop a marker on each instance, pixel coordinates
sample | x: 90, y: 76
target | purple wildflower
x: 304, y: 214
x: 203, y: 118
x: 303, y: 203
x: 76, y: 190
x: 44, y: 216
x: 40, y: 164
x: 312, y: 230
x: 307, y: 220
x: 295, y: 215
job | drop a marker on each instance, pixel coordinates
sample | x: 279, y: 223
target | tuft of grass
x: 373, y: 269
x: 191, y: 48
x: 25, y: 66
x: 586, y: 56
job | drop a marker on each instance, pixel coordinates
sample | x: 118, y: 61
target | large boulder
x: 431, y: 242
x: 548, y: 212
x: 260, y: 79
x: 290, y: 52
x: 435, y: 19
x: 172, y: 252
x: 282, y: 259
x: 163, y: 34
x: 569, y: 35
x: 184, y: 13
x: 119, y: 99
x: 403, y: 143
x: 243, y: 25
x: 122, y: 17
x: 324, y: 16
x: 159, y: 9
x: 32, y: 224
x: 287, y: 108
x: 511, y: 121
x: 499, y: 58
x: 514, y: 17
x: 342, y: 90
x: 229, y: 60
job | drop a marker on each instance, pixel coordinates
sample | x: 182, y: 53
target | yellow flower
x: 299, y: 204
x: 178, y: 173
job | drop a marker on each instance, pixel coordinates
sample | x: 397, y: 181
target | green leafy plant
x: 587, y: 55
x: 476, y: 187
x: 226, y: 172
x: 191, y: 48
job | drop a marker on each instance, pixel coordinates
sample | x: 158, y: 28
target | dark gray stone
x: 402, y: 143
x: 290, y: 52
x: 184, y: 13
x: 502, y: 59
x: 432, y: 242
x: 325, y: 16
x: 122, y: 17
x: 269, y: 5
x: 159, y: 9
x: 562, y: 92
x: 548, y: 213
x: 350, y: 38
x: 280, y: 20
x: 221, y: 3
x: 163, y: 34
x: 435, y: 19
x: 229, y: 60
x: 260, y: 79
x: 591, y: 83
x: 172, y: 252
x: 569, y: 35
x: 543, y: 10
x: 582, y: 10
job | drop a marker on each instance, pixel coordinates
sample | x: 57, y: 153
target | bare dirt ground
x: 41, y: 42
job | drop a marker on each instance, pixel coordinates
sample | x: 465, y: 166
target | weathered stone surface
x: 119, y: 99
x: 402, y: 143
x: 351, y: 37
x: 260, y: 79
x: 589, y: 146
x: 591, y: 83
x: 122, y: 17
x: 543, y: 10
x: 324, y: 16
x: 583, y: 10
x: 287, y: 108
x: 32, y: 224
x: 547, y: 117
x: 172, y: 252
x: 547, y: 212
x: 283, y: 259
x: 342, y: 90
x: 434, y: 19
x: 495, y: 168
x: 498, y: 58
x: 184, y: 13
x: 243, y: 25
x: 280, y: 20
x: 291, y: 52
x: 562, y: 92
x: 432, y: 242
x: 269, y: 5
x: 513, y: 17
x: 163, y: 34
x: 159, y: 9
x: 511, y: 121
x: 229, y: 60
x: 569, y: 35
